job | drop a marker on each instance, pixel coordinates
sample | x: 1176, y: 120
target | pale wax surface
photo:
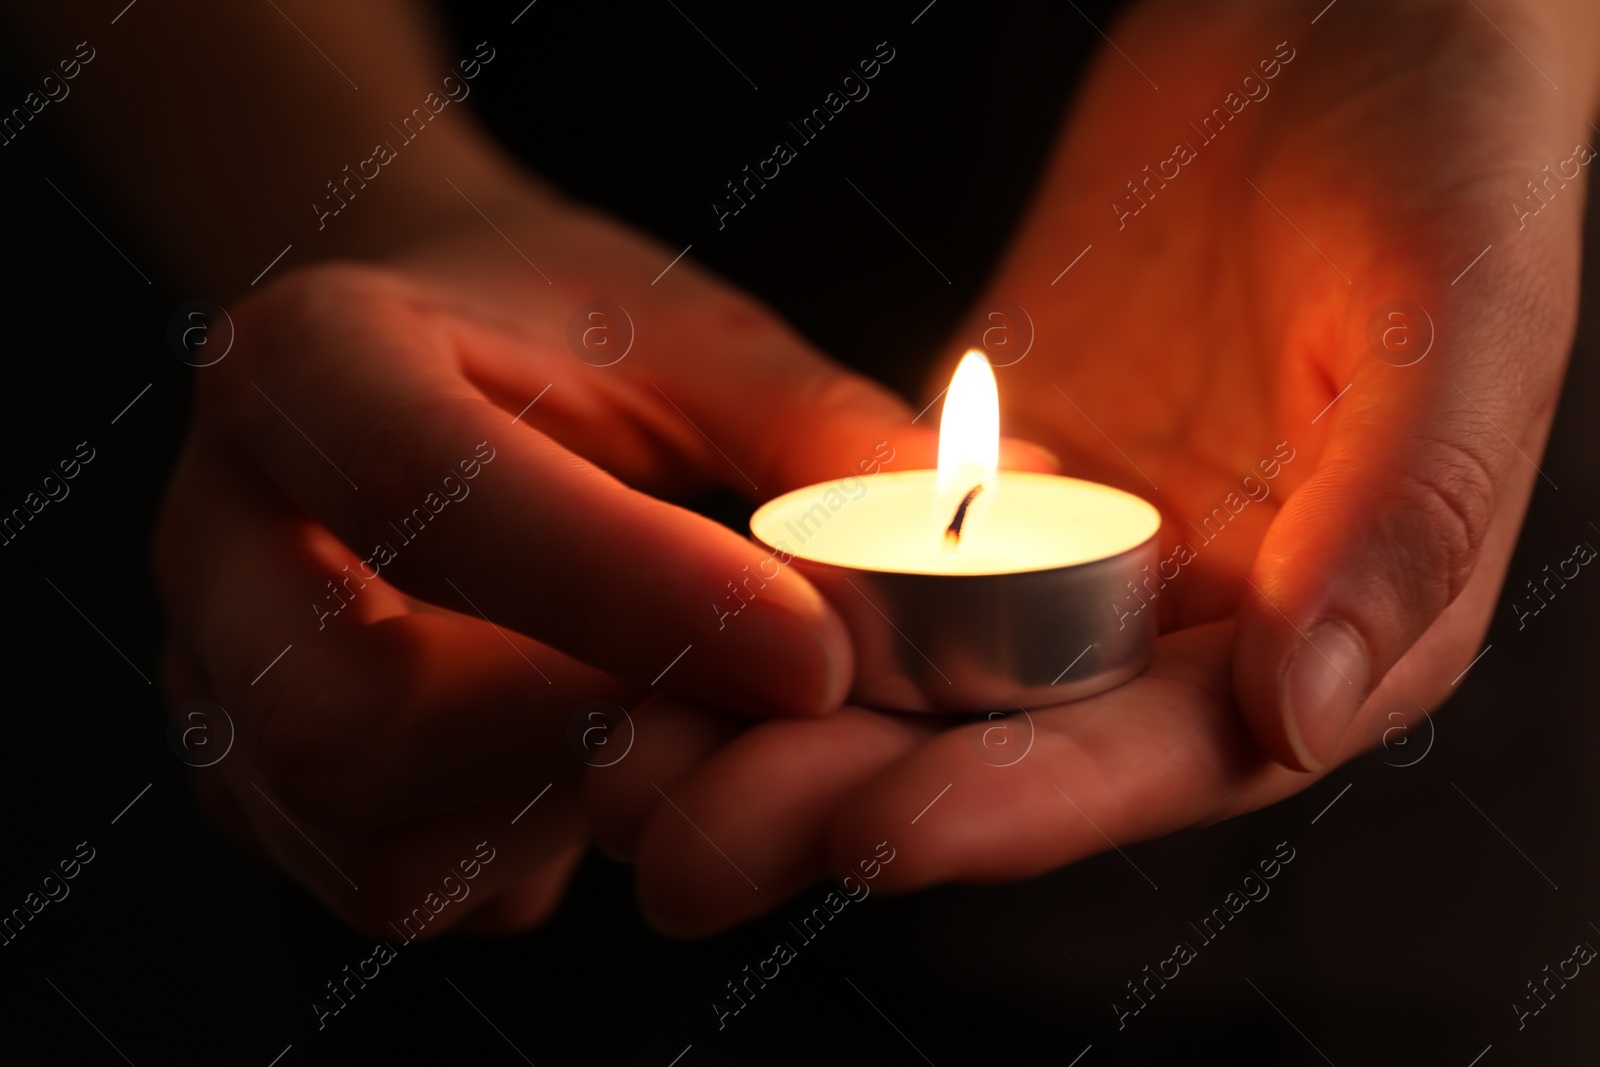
x: 895, y: 522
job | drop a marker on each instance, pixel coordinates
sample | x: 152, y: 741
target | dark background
x: 1400, y: 934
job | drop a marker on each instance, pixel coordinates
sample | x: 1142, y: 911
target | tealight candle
x: 968, y: 588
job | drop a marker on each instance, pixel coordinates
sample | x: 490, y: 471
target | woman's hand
x: 419, y: 527
x: 1342, y: 486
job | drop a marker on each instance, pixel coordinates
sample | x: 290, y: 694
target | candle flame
x: 969, y: 427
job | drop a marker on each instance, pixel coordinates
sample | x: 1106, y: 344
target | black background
x: 1401, y: 933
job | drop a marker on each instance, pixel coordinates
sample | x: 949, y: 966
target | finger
x: 379, y: 714
x: 389, y: 446
x: 1386, y: 533
x: 804, y: 420
x: 670, y: 739
x: 384, y: 881
x: 527, y: 904
x: 775, y: 415
x: 758, y: 391
x: 1163, y: 752
x: 755, y: 408
x: 701, y: 371
x: 415, y: 881
x: 748, y: 829
x: 716, y: 386
x: 698, y: 371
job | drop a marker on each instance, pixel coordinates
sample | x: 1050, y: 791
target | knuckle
x: 321, y: 289
x: 313, y: 752
x: 413, y: 441
x: 293, y: 316
x: 1451, y: 500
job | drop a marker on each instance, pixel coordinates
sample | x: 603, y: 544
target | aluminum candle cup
x: 1026, y: 611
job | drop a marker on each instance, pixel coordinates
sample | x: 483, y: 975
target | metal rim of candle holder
x: 969, y: 643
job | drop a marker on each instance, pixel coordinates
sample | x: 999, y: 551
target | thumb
x: 1417, y: 464
x: 770, y: 413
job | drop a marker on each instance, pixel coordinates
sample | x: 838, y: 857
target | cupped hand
x: 1324, y: 332
x: 419, y: 526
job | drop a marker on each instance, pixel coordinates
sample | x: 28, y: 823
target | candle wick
x: 952, y: 533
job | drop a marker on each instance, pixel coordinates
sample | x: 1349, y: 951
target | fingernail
x: 1322, y: 690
